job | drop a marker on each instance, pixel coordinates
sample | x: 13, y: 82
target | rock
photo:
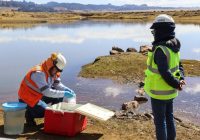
x: 177, y: 119
x: 141, y: 91
x: 131, y: 50
x: 141, y: 84
x: 144, y: 49
x: 97, y: 59
x: 120, y: 114
x: 140, y: 99
x: 130, y: 105
x: 149, y: 115
x: 114, y: 52
x: 117, y: 49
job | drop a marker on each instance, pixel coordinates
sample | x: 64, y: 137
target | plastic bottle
x: 72, y: 100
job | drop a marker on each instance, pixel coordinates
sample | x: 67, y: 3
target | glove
x: 69, y: 94
x: 68, y: 89
x: 42, y: 104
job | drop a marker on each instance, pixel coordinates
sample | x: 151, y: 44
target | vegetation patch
x: 128, y: 67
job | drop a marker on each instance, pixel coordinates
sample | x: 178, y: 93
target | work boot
x: 30, y: 122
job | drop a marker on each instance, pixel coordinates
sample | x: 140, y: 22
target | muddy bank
x: 8, y: 18
x: 128, y: 67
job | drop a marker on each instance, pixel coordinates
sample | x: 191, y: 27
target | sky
x: 163, y: 3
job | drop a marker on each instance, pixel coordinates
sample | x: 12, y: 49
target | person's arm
x: 182, y: 73
x: 60, y: 86
x: 40, y: 80
x: 161, y: 60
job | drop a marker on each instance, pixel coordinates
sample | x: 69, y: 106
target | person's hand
x: 182, y: 82
x: 42, y: 104
x: 69, y: 94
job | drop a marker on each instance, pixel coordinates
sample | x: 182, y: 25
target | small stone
x: 148, y: 115
x: 114, y: 52
x: 141, y: 84
x: 140, y: 99
x: 131, y: 50
x: 130, y: 105
x: 141, y: 91
x: 117, y: 49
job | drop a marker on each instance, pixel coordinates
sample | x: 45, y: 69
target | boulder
x: 117, y: 49
x: 131, y: 50
x: 140, y: 99
x: 130, y: 105
x: 144, y: 49
x: 114, y: 52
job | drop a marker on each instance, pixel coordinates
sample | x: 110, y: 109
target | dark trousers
x: 163, y: 119
x: 38, y: 111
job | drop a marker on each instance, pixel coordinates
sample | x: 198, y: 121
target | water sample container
x: 14, y: 117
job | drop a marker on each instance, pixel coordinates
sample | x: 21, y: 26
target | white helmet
x: 60, y: 61
x: 162, y: 18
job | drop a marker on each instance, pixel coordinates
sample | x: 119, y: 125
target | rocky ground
x: 126, y: 127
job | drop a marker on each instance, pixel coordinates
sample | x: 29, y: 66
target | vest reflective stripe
x: 156, y: 71
x: 155, y: 86
x: 34, y: 88
x: 166, y: 53
x: 164, y: 92
x: 31, y: 86
x: 44, y: 88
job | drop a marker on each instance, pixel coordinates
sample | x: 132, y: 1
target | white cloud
x: 112, y: 91
x: 194, y: 89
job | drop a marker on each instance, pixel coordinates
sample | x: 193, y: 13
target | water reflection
x: 81, y: 43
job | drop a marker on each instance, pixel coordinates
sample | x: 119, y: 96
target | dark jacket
x: 161, y: 60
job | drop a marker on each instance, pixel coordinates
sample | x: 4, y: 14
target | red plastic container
x: 66, y: 123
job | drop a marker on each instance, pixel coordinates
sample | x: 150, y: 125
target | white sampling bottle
x: 72, y: 100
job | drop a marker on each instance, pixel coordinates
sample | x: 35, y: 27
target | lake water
x: 81, y: 43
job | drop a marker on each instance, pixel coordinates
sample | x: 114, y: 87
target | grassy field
x: 128, y: 67
x: 14, y: 17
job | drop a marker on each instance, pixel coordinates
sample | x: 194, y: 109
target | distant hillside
x: 55, y: 6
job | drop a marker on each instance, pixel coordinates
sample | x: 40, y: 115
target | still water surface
x: 81, y: 43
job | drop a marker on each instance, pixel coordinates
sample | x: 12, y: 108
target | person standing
x: 42, y: 85
x: 164, y: 76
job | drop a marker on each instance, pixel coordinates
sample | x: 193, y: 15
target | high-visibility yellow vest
x: 155, y: 86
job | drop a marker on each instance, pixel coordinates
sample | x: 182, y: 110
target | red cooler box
x: 62, y: 120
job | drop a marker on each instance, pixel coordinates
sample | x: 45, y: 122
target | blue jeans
x: 38, y: 111
x: 164, y: 119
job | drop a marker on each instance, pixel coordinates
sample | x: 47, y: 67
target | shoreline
x: 15, y: 17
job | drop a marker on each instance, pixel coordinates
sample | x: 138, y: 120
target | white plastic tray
x: 95, y: 112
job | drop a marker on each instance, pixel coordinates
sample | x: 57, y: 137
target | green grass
x: 128, y: 67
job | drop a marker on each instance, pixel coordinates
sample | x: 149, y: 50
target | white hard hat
x: 60, y: 62
x: 162, y: 18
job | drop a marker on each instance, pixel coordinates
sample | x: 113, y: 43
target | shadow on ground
x: 37, y: 133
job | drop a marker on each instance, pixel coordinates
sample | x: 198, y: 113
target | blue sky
x: 171, y: 3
